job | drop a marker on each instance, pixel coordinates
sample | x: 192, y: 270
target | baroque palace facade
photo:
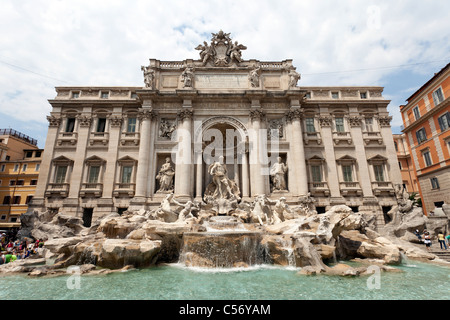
x: 110, y: 149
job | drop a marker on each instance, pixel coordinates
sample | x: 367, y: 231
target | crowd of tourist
x: 444, y: 240
x: 13, y: 249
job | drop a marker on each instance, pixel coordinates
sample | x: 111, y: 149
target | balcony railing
x: 312, y: 136
x: 350, y: 187
x: 318, y: 188
x: 339, y: 137
x: 94, y: 189
x: 65, y: 138
x: 99, y: 138
x: 124, y: 189
x: 128, y: 138
x: 59, y: 189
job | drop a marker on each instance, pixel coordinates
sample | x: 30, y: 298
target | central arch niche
x: 221, y: 136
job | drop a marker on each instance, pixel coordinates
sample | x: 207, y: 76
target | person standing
x: 427, y: 240
x: 441, y: 239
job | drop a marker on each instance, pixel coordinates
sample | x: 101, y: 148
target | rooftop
x: 17, y: 134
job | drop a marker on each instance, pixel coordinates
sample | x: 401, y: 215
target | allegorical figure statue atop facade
x: 235, y: 51
x: 294, y: 76
x: 165, y: 177
x: 277, y: 173
x: 206, y: 52
x: 254, y: 77
x: 187, y: 77
x: 149, y: 77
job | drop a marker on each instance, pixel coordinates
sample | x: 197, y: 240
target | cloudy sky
x: 46, y: 43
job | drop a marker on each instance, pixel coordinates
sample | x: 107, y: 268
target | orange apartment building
x: 426, y: 118
x: 409, y: 178
x: 20, y: 160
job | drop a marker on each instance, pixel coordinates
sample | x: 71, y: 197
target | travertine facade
x: 108, y: 148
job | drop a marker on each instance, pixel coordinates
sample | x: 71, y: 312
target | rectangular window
x: 427, y: 158
x: 444, y: 121
x: 339, y: 123
x: 38, y: 166
x: 335, y: 95
x: 438, y: 97
x: 20, y: 183
x: 421, y: 135
x: 37, y: 154
x: 416, y: 112
x: 400, y: 165
x: 24, y: 167
x: 7, y: 200
x: 316, y: 173
x: 434, y: 183
x: 60, y: 176
x: 131, y: 125
x: 2, y: 168
x: 379, y: 173
x: 310, y: 125
x: 33, y: 182
x: 70, y: 125
x: 16, y: 200
x: 126, y: 174
x: 368, y: 122
x: 94, y: 172
x: 101, y: 124
x: 104, y: 95
x: 363, y: 95
x: 347, y: 173
x: 29, y: 154
x: 28, y: 199
x: 16, y: 168
x: 75, y: 95
x: 12, y: 182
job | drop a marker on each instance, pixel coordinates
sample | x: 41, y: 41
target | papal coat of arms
x: 221, y: 52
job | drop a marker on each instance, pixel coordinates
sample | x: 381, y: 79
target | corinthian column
x: 257, y: 173
x: 300, y: 187
x: 183, y: 161
x: 145, y: 117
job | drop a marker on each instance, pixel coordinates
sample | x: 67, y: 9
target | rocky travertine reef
x: 314, y: 242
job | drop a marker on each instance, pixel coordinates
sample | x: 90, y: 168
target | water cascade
x: 225, y: 244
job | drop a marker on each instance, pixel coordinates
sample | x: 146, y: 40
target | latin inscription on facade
x: 226, y: 81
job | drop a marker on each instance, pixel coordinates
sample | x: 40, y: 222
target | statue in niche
x: 165, y: 177
x: 166, y: 128
x: 224, y: 188
x: 281, y: 210
x: 277, y: 173
x: 294, y: 76
x: 149, y: 77
x: 187, y: 77
x: 254, y: 77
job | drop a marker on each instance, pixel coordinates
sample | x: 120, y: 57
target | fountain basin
x: 223, y: 249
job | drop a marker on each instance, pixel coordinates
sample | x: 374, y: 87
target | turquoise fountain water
x: 177, y: 282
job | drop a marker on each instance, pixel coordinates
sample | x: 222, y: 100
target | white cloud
x: 105, y: 42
